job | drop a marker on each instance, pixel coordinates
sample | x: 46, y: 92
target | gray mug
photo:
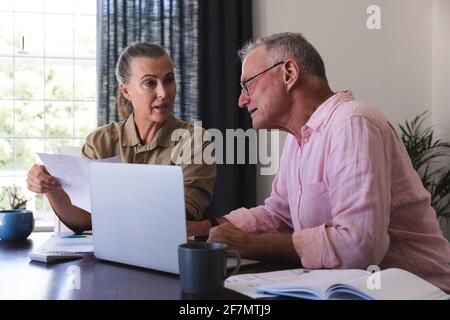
x: 203, y: 266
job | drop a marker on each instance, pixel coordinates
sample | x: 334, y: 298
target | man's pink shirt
x: 351, y: 197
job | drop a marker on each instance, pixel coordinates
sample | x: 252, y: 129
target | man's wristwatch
x: 214, y: 222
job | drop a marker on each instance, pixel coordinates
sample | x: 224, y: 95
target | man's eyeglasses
x: 244, y: 87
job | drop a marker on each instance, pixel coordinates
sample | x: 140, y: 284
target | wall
x: 390, y: 68
x: 441, y: 67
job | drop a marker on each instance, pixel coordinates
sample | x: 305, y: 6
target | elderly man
x: 346, y: 194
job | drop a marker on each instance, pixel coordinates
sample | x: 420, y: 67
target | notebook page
x: 317, y: 281
x: 247, y: 283
x: 397, y: 284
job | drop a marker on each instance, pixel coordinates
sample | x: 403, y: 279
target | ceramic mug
x: 16, y: 224
x: 203, y: 266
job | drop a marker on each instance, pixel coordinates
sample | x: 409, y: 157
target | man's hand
x: 275, y: 247
x: 233, y: 237
x: 200, y: 228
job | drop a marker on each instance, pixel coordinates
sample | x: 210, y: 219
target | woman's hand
x: 40, y: 181
x: 197, y: 228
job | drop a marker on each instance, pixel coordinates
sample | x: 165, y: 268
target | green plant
x: 16, y: 201
x: 431, y: 159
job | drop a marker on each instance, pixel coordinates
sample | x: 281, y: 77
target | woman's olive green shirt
x: 122, y: 139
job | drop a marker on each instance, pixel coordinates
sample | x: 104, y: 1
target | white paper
x: 69, y: 243
x: 73, y: 175
x: 248, y: 283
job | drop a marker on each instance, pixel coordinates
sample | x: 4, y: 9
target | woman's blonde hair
x: 123, y: 69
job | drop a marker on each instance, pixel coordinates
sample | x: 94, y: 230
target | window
x: 47, y: 86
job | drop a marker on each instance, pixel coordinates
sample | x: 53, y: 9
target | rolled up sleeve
x: 199, y: 173
x: 198, y: 188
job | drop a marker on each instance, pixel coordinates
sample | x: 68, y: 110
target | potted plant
x: 431, y: 159
x: 15, y: 199
x: 16, y: 223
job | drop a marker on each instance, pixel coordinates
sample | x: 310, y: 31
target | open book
x: 388, y: 284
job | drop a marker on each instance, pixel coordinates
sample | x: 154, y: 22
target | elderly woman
x: 146, y: 97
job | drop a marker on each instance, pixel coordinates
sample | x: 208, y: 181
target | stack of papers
x: 66, y: 242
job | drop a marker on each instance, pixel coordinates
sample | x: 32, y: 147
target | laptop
x: 138, y: 214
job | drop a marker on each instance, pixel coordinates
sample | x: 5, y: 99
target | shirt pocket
x: 315, y: 208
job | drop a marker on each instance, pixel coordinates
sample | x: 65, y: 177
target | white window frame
x: 17, y: 176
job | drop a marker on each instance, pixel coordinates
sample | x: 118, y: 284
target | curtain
x: 224, y: 26
x: 202, y: 37
x: 173, y: 24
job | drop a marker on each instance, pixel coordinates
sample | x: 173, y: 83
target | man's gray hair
x: 281, y: 46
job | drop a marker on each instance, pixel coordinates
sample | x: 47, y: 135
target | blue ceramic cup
x: 16, y: 224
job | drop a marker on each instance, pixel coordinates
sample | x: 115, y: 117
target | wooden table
x: 89, y: 278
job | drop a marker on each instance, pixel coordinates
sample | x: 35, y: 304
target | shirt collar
x: 323, y: 113
x: 162, y: 137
